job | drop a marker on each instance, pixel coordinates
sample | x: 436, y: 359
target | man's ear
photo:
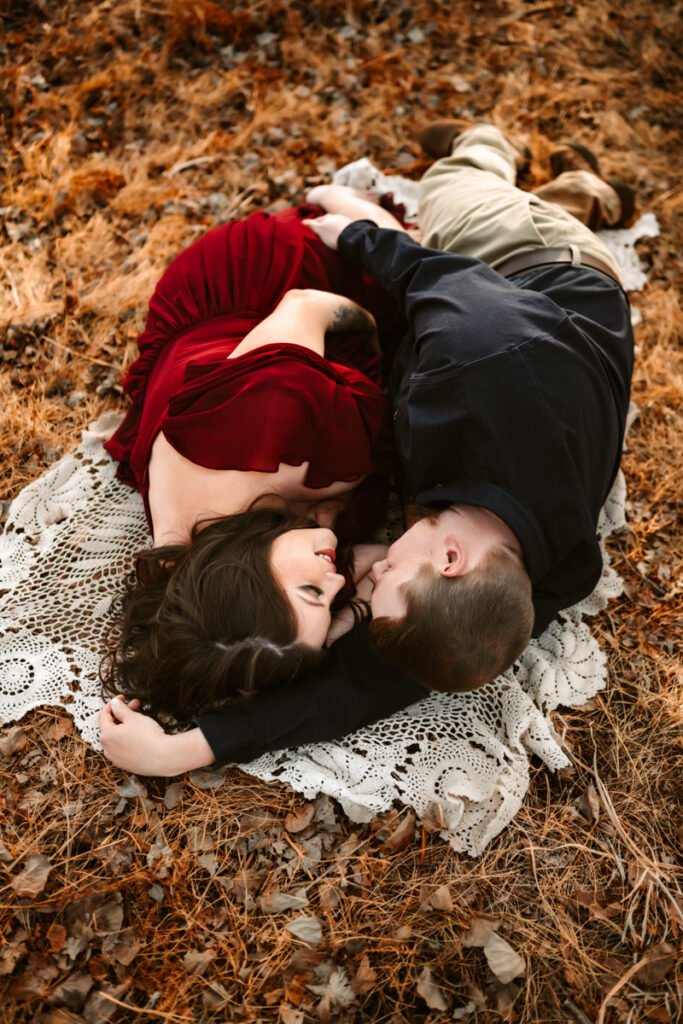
x: 454, y: 559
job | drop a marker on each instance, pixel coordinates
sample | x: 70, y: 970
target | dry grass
x: 120, y: 122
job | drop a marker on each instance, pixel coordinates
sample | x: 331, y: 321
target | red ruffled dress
x: 280, y: 403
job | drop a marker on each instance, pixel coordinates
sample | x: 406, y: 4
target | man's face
x: 422, y: 543
x: 454, y: 542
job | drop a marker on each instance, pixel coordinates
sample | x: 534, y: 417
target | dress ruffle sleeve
x: 280, y: 403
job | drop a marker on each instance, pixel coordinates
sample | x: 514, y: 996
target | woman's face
x: 303, y: 563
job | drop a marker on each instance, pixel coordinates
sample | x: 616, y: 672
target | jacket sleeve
x: 356, y: 687
x: 457, y: 308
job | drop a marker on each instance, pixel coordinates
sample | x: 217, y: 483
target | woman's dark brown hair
x: 204, y: 625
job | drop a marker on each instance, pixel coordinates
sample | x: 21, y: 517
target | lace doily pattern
x: 68, y: 542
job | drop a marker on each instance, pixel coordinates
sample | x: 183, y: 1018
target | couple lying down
x: 258, y: 437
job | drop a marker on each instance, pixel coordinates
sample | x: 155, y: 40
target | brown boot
x: 574, y: 156
x: 437, y: 138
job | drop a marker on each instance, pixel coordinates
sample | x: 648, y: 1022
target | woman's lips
x: 329, y: 554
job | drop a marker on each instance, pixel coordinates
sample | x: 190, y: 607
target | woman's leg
x: 469, y: 203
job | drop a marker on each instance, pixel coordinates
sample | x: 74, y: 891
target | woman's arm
x: 355, y: 687
x: 347, y: 201
x: 302, y: 317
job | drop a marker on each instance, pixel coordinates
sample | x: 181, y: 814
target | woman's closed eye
x: 311, y: 586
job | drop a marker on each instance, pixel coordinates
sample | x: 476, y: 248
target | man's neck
x: 495, y: 527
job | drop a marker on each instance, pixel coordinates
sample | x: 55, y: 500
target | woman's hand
x: 342, y: 623
x: 364, y: 557
x: 352, y: 203
x: 136, y: 743
x: 328, y: 228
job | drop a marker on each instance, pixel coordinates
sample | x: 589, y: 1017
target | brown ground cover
x: 126, y: 128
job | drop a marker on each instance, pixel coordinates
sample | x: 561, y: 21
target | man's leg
x: 589, y: 199
x: 469, y: 204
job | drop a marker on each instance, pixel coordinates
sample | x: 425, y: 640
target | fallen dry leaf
x: 659, y: 963
x: 196, y: 961
x: 329, y: 896
x: 131, y: 788
x: 335, y: 993
x: 463, y: 1012
x: 442, y: 899
x: 432, y: 819
x: 73, y: 991
x: 173, y: 795
x: 121, y: 946
x: 504, y: 997
x: 598, y: 907
x: 402, y: 835
x: 32, y: 879
x: 99, y: 1008
x: 299, y: 818
x: 207, y: 778
x: 60, y: 728
x: 306, y: 929
x: 59, y: 1015
x: 481, y: 929
x: 588, y: 804
x: 245, y: 883
x: 10, y: 955
x: 365, y: 978
x: 56, y: 937
x: 433, y: 996
x: 502, y: 959
x: 35, y: 979
x: 658, y: 1014
x: 108, y: 918
x: 288, y: 1015
x: 278, y: 902
x: 15, y: 739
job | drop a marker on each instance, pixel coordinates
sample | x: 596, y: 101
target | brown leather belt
x: 541, y: 257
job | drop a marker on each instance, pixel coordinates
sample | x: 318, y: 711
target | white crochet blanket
x: 69, y: 539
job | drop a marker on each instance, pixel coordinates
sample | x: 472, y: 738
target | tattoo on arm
x: 347, y: 318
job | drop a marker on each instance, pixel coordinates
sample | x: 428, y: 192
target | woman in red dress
x: 240, y: 391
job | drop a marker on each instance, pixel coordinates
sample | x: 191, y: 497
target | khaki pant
x: 469, y: 204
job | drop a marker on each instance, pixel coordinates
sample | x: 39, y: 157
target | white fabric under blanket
x: 68, y: 541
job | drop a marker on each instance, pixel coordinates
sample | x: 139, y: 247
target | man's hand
x: 329, y: 227
x: 136, y: 743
